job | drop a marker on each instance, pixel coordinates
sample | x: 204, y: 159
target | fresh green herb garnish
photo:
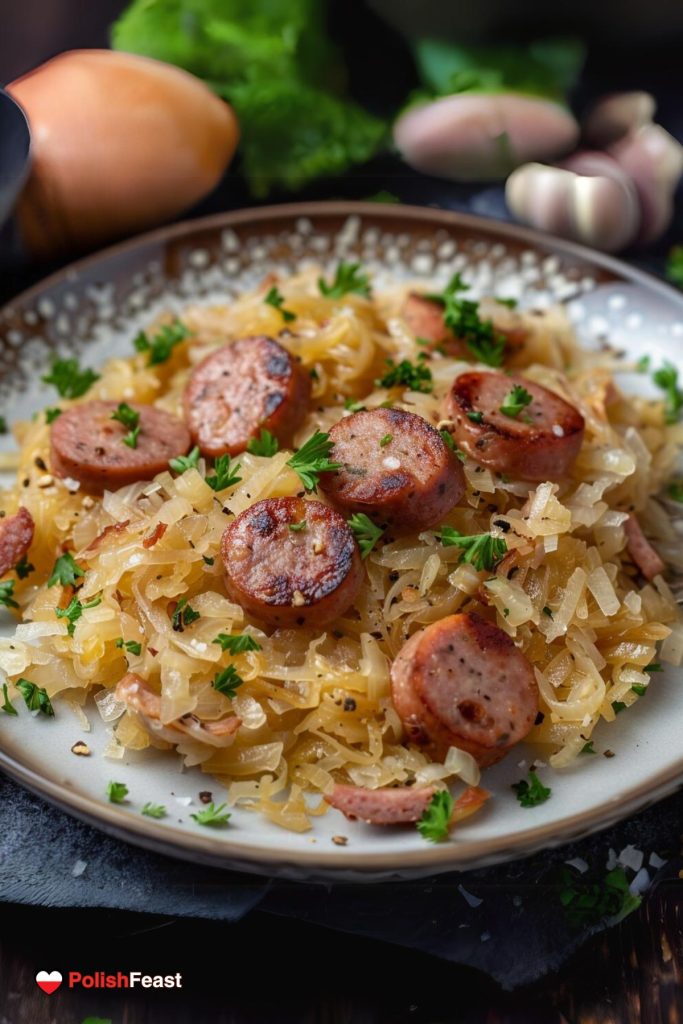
x: 131, y: 438
x: 132, y: 646
x: 3, y: 425
x: 69, y: 379
x: 131, y: 419
x: 224, y: 474
x: 674, y: 265
x: 447, y: 439
x: 7, y: 706
x: 547, y: 610
x: 653, y: 667
x: 480, y: 549
x: 154, y: 811
x: 587, y: 748
x: 6, y: 592
x: 643, y: 364
x: 416, y: 377
x: 675, y: 490
x: 476, y: 417
x: 237, y: 643
x: 183, y: 615
x: 387, y: 439
x: 227, y: 682
x: 587, y: 901
x: 312, y: 459
x: 276, y: 299
x: 52, y: 414
x: 117, y: 792
x: 666, y: 378
x: 366, y: 532
x: 348, y: 278
x: 435, y: 821
x: 619, y: 706
x: 640, y: 689
x: 208, y: 560
x: 531, y: 792
x: 383, y: 196
x: 182, y: 463
x: 354, y: 405
x: 212, y: 815
x: 24, y: 568
x: 35, y: 697
x: 266, y: 445
x: 298, y: 527
x: 461, y: 317
x: 510, y: 303
x: 65, y: 571
x: 515, y: 401
x: 160, y: 348
x: 73, y: 612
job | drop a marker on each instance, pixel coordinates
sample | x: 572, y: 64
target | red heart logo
x: 48, y: 982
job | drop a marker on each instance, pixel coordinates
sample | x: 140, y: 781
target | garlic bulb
x: 614, y: 116
x: 654, y: 160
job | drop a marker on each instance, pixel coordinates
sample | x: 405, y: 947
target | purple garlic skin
x: 654, y: 160
x: 614, y: 116
x: 472, y: 137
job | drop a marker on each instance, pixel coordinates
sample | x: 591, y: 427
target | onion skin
x: 472, y: 137
x: 120, y: 143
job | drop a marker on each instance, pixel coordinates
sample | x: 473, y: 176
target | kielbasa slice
x: 640, y: 549
x: 461, y: 682
x: 86, y: 444
x: 138, y: 696
x: 396, y: 468
x: 424, y: 319
x: 242, y: 388
x: 397, y: 806
x: 540, y: 443
x: 290, y: 561
x: 16, y: 534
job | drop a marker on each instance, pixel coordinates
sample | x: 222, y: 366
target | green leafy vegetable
x: 366, y: 532
x: 276, y: 299
x: 266, y: 444
x: 674, y: 265
x: 160, y: 348
x: 154, y: 811
x: 35, y: 697
x: 224, y: 474
x: 416, y: 377
x: 6, y: 592
x: 461, y: 316
x: 298, y: 527
x: 69, y: 379
x: 117, y: 792
x: 449, y: 441
x: 588, y: 900
x: 479, y: 549
x: 515, y: 401
x: 653, y: 667
x: 348, y: 278
x: 237, y: 643
x: 547, y: 610
x: 354, y: 405
x: 587, y: 748
x: 640, y: 689
x: 312, y: 459
x: 643, y: 364
x: 618, y: 706
x: 184, y: 615
x: 531, y: 792
x: 65, y: 571
x: 666, y: 378
x: 52, y: 414
x: 212, y: 815
x: 476, y: 417
x: 227, y: 682
x: 387, y: 439
x: 181, y: 463
x: 435, y: 821
x: 132, y: 646
x: 7, y: 706
x: 675, y: 490
x: 24, y: 568
x: 73, y: 612
x: 131, y: 419
x: 383, y: 196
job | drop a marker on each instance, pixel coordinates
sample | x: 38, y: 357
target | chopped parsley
x: 224, y: 474
x: 73, y: 612
x: 587, y: 900
x: 640, y: 689
x: 587, y: 748
x: 666, y: 378
x: 387, y: 439
x: 531, y: 792
x: 7, y: 706
x: 24, y: 568
x: 208, y: 560
x: 547, y: 610
x: 643, y: 364
x: 181, y: 463
x: 132, y: 646
x: 227, y: 682
x: 476, y: 417
x: 479, y: 549
x: 435, y: 821
x: 3, y: 425
x: 354, y: 405
x: 154, y: 811
x: 266, y: 445
x: 69, y: 379
x: 461, y: 317
x: 675, y: 490
x: 510, y: 303
x: 416, y: 377
x: 312, y: 459
x: 515, y: 401
x: 212, y: 815
x: 65, y: 571
x: 52, y: 414
x: 276, y: 299
x: 131, y: 419
x: 237, y: 643
x: 619, y: 706
x: 6, y: 592
x: 183, y: 615
x: 653, y: 667
x: 348, y: 278
x: 674, y: 265
x: 117, y: 792
x: 366, y: 532
x: 35, y: 697
x: 298, y: 527
x: 160, y: 348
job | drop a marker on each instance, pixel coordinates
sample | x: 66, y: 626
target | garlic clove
x: 614, y: 116
x: 470, y: 137
x: 654, y: 160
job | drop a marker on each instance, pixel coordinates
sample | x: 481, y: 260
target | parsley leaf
x: 416, y: 377
x: 125, y: 415
x: 266, y: 445
x: 237, y: 643
x: 154, y: 811
x: 52, y: 414
x: 6, y: 592
x: 354, y: 405
x: 65, y: 571
x: 35, y: 697
x: 227, y: 682
x: 276, y: 299
x: 674, y: 265
x: 461, y: 317
x: 435, y: 821
x: 224, y: 475
x: 73, y: 612
x: 132, y: 646
x: 666, y: 378
x: 131, y: 438
x: 640, y: 689
x: 653, y: 667
x: 69, y: 379
x: 587, y: 748
x: 447, y: 439
x: 212, y: 815
x: 619, y: 706
x: 587, y: 900
x: 643, y: 364
x: 183, y: 615
x: 312, y: 459
x: 532, y: 792
x: 515, y: 401
x: 476, y: 417
x: 117, y: 792
x: 160, y: 347
x: 298, y: 527
x: 365, y: 531
x: 675, y: 490
x: 24, y: 568
x: 510, y: 303
x: 348, y: 278
x: 479, y: 549
x: 7, y: 706
x: 387, y: 439
x: 184, y: 462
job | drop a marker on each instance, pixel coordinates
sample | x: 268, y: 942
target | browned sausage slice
x: 87, y: 445
x: 424, y: 319
x: 133, y: 691
x: 308, y: 575
x: 641, y: 551
x: 397, y: 806
x: 242, y: 388
x: 16, y: 534
x: 541, y: 443
x: 396, y: 468
x: 461, y: 682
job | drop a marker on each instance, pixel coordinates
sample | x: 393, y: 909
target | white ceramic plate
x: 101, y: 302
